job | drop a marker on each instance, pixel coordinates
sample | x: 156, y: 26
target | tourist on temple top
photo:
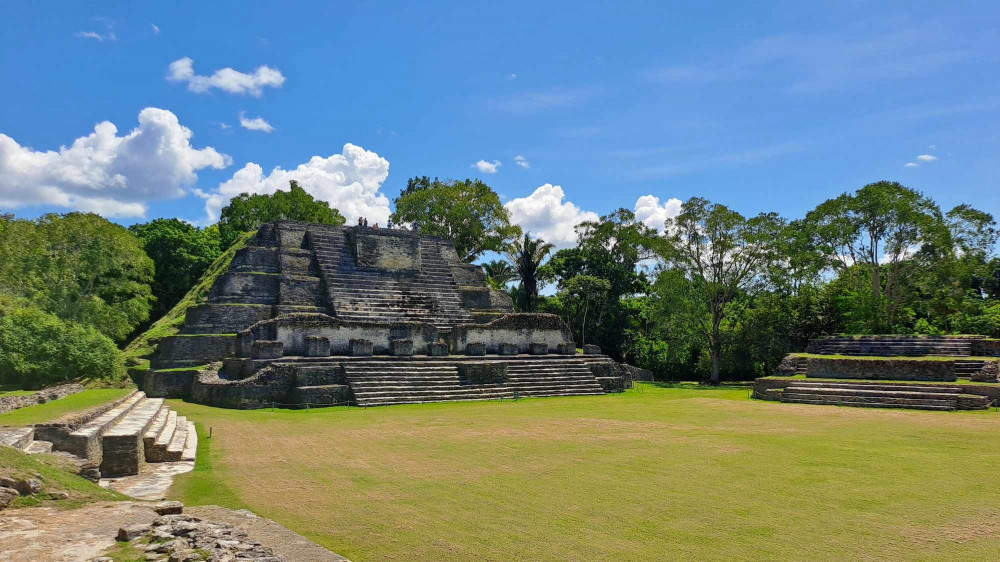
x: 359, y: 221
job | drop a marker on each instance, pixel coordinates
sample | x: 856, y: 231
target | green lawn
x: 5, y: 393
x: 663, y: 474
x: 57, y: 408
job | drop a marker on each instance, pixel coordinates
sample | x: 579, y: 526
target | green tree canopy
x: 247, y: 212
x: 467, y: 211
x: 587, y: 294
x: 79, y: 267
x: 181, y: 254
x: 725, y: 255
x: 499, y: 273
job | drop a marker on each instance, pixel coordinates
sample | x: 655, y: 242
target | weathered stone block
x: 989, y: 372
x: 566, y: 348
x: 475, y: 349
x: 168, y: 508
x: 787, y: 367
x: 401, y: 347
x: 591, y: 349
x: 507, y: 349
x: 317, y: 346
x: 437, y: 349
x: 479, y: 373
x: 361, y: 348
x: 267, y: 349
x: 538, y: 348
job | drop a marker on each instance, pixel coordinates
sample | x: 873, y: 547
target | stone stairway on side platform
x: 874, y: 395
x: 119, y: 440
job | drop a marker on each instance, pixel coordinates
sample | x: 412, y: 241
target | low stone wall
x: 169, y: 384
x: 482, y: 373
x: 243, y: 287
x: 193, y: 350
x: 10, y: 403
x: 518, y: 329
x: 293, y: 329
x: 270, y: 384
x: 882, y: 369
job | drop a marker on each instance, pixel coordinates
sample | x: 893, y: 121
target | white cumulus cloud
x: 255, y: 124
x: 910, y: 165
x: 927, y: 158
x: 650, y: 212
x: 522, y: 161
x: 487, y: 167
x: 106, y: 173
x: 227, y: 79
x: 547, y: 215
x: 349, y: 181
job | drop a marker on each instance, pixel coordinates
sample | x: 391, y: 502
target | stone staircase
x: 965, y: 368
x: 120, y: 440
x: 385, y: 382
x: 429, y: 295
x: 889, y: 346
x: 802, y: 366
x: 872, y: 395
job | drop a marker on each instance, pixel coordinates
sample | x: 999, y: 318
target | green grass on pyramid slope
x: 51, y: 411
x: 658, y: 474
x: 137, y: 352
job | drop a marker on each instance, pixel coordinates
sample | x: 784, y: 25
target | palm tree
x: 527, y: 255
x: 499, y: 273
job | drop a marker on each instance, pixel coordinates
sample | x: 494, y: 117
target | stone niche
x: 293, y: 329
x: 386, y: 250
x: 521, y: 330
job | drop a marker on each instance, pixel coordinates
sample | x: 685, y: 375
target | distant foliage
x: 79, y: 267
x: 180, y: 252
x: 467, y: 211
x: 246, y: 212
x: 39, y: 349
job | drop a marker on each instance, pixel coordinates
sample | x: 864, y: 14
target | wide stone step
x: 873, y: 393
x: 950, y: 389
x: 38, y: 447
x: 158, y: 452
x: 16, y: 437
x: 155, y: 429
x: 876, y: 398
x: 850, y: 402
x: 175, y: 450
x: 123, y: 450
x: 191, y: 443
x: 85, y: 442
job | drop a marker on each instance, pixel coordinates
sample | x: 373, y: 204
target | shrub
x: 38, y: 349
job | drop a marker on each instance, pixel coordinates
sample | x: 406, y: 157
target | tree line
x: 709, y: 295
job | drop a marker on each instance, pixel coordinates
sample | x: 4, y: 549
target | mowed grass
x: 56, y: 409
x: 665, y: 474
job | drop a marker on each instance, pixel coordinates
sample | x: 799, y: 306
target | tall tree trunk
x: 583, y: 333
x: 716, y: 349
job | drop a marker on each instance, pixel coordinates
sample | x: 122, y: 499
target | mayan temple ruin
x: 314, y: 315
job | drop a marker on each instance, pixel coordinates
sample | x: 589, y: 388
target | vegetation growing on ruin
x: 699, y: 473
x: 50, y: 411
x: 57, y: 476
x: 141, y: 348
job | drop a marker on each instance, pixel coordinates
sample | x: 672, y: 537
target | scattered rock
x: 185, y: 538
x: 989, y: 372
x: 59, y: 495
x: 28, y: 486
x: 7, y: 495
x: 91, y: 471
x: 132, y: 532
x: 168, y: 508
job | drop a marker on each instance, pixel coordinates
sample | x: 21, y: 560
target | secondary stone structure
x: 919, y: 372
x: 316, y: 315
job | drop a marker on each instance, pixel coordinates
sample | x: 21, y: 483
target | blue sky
x: 761, y: 106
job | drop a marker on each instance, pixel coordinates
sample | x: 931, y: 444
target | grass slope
x: 666, y: 473
x: 56, y: 409
x: 55, y: 478
x: 137, y: 352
